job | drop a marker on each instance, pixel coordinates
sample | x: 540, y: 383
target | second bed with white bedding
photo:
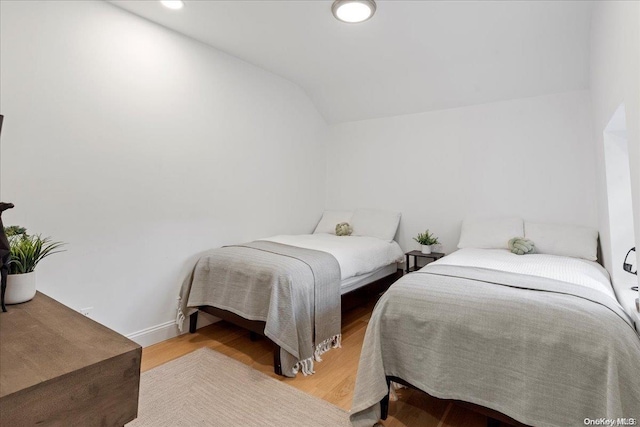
x: 540, y: 338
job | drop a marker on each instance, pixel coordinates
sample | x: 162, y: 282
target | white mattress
x: 566, y: 269
x: 357, y: 255
x: 353, y: 283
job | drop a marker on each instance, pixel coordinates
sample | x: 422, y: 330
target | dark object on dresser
x: 60, y: 368
x: 256, y: 327
x: 4, y: 246
x: 5, y: 251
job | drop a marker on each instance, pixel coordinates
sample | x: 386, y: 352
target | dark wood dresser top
x: 42, y: 339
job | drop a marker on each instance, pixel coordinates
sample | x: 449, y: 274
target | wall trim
x: 155, y: 334
x: 167, y: 330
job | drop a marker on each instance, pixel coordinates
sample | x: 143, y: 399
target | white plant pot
x: 426, y: 249
x: 20, y: 288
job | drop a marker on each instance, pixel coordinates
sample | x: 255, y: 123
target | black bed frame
x: 256, y: 328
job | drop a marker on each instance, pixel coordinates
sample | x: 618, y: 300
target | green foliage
x: 15, y: 230
x: 27, y: 251
x: 426, y: 239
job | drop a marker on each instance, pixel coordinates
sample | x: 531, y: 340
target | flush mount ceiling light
x: 173, y: 4
x: 353, y: 11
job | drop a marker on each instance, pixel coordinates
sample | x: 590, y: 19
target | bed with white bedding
x: 289, y: 287
x: 358, y: 256
x: 540, y: 338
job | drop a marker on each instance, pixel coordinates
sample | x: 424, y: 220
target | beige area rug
x: 206, y: 388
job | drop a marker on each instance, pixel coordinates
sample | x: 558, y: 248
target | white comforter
x: 565, y: 269
x: 356, y: 254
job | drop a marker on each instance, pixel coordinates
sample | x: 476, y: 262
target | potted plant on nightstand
x: 26, y: 252
x: 427, y: 240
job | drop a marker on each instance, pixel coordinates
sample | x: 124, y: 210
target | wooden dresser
x: 60, y: 368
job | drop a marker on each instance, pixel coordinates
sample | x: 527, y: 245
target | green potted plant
x: 26, y: 252
x: 427, y: 240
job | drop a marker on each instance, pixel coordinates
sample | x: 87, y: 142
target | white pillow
x: 490, y: 233
x: 564, y: 240
x: 330, y: 219
x: 375, y: 223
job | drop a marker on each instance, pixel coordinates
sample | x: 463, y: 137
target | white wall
x: 140, y: 148
x: 619, y: 203
x: 529, y: 157
x: 615, y: 80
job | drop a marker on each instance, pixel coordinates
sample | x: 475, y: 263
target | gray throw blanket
x: 295, y: 291
x: 544, y: 352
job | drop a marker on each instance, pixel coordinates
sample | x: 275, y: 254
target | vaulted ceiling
x: 412, y: 56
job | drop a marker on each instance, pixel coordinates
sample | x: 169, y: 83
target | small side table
x: 418, y: 254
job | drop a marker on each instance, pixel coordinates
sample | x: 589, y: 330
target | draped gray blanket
x: 295, y: 291
x: 544, y: 352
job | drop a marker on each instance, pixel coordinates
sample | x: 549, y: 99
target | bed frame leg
x: 492, y: 422
x: 277, y: 364
x: 193, y: 322
x: 384, y: 403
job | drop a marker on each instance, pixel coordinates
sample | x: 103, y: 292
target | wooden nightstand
x: 418, y: 254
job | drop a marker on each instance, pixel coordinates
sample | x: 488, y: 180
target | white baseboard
x: 167, y: 330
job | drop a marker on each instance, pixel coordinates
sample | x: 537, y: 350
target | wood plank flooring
x: 335, y: 376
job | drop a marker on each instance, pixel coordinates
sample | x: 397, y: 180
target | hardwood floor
x: 335, y: 376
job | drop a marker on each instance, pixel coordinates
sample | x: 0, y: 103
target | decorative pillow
x: 490, y: 233
x: 564, y: 240
x: 375, y: 223
x: 329, y: 220
x: 522, y: 246
x: 344, y: 229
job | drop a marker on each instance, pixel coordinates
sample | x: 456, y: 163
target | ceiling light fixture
x: 353, y: 11
x: 173, y: 4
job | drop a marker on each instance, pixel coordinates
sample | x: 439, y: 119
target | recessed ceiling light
x: 173, y: 4
x: 353, y: 11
